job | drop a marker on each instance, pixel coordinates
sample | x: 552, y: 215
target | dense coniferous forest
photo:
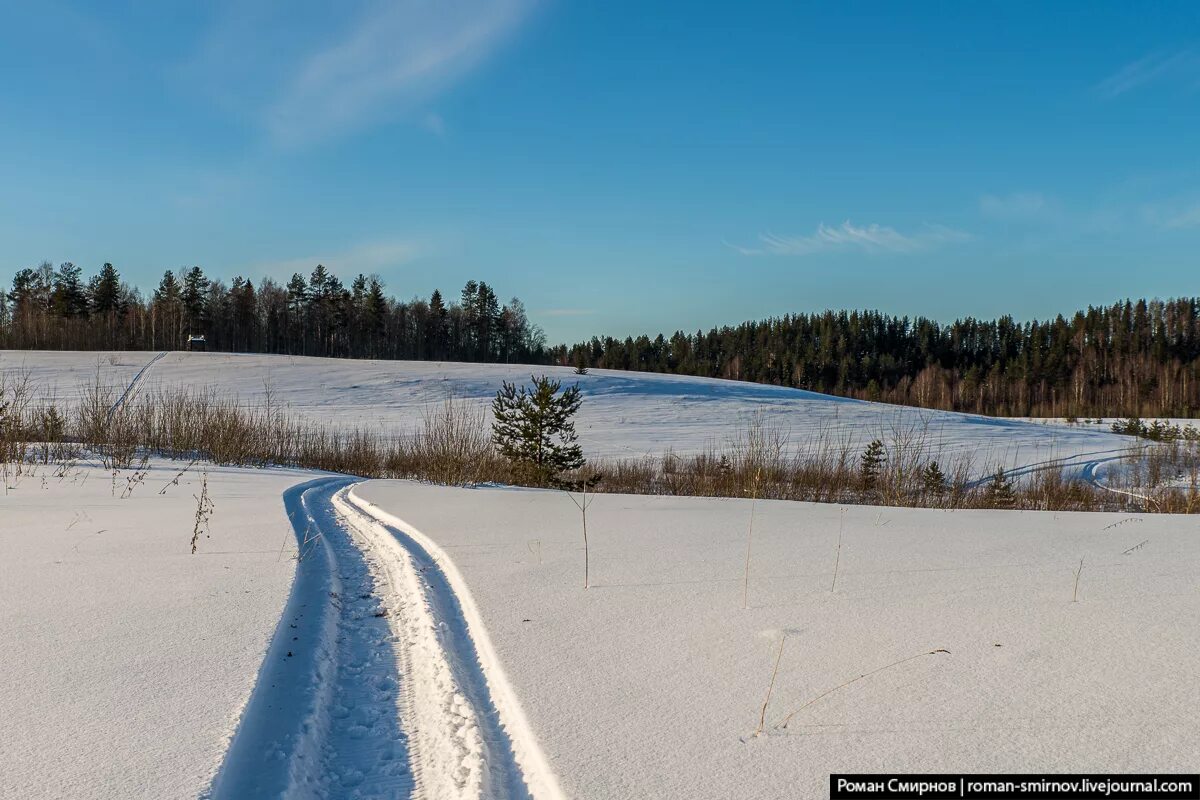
x: 1134, y: 358
x: 58, y: 309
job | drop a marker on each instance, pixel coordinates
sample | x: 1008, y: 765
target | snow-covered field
x: 125, y: 659
x: 624, y: 414
x: 392, y: 639
x: 651, y: 682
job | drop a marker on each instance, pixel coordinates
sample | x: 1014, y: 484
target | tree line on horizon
x: 1133, y: 358
x: 55, y: 308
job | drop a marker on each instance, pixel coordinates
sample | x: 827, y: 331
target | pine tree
x: 871, y: 463
x: 106, y: 291
x: 487, y: 323
x: 534, y: 430
x: 581, y: 363
x: 69, y: 298
x: 933, y: 480
x: 439, y: 326
x: 167, y: 312
x: 195, y: 291
x: 375, y: 312
x: 999, y: 493
x: 297, y: 295
x: 245, y: 314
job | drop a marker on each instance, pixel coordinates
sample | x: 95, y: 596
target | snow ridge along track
x: 515, y: 763
x: 373, y: 685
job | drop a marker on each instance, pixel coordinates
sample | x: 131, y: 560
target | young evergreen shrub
x: 535, y: 431
x: 871, y: 464
x: 933, y: 480
x: 999, y: 493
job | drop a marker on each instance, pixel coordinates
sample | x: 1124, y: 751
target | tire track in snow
x: 514, y: 762
x: 133, y: 384
x: 1081, y: 461
x: 447, y: 751
x: 323, y: 719
x: 373, y: 685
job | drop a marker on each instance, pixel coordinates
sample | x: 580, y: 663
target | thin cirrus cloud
x: 1150, y: 69
x: 397, y: 56
x: 1019, y: 205
x: 1181, y: 219
x: 306, y: 72
x: 364, y: 257
x: 872, y: 239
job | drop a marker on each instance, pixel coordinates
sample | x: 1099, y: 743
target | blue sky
x: 621, y: 166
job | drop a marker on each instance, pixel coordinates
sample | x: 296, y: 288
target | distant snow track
x: 373, y: 686
x: 133, y: 384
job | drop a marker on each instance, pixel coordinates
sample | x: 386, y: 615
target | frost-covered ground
x: 651, y: 682
x: 125, y: 659
x: 624, y: 413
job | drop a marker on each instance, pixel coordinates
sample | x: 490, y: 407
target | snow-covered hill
x: 624, y: 413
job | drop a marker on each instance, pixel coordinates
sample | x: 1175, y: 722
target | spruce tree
x: 106, y: 291
x: 439, y: 326
x: 933, y: 480
x: 69, y: 298
x: 534, y: 429
x: 999, y: 493
x: 871, y: 464
x: 195, y: 289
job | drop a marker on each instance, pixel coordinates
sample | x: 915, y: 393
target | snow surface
x: 439, y: 641
x: 624, y: 414
x: 651, y: 682
x: 126, y: 660
x: 380, y: 682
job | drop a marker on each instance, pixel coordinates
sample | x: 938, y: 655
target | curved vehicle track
x: 133, y: 384
x: 373, y: 686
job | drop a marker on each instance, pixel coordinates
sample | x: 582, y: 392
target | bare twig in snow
x: 837, y: 561
x: 784, y: 722
x: 204, y: 509
x: 762, y: 717
x: 582, y: 505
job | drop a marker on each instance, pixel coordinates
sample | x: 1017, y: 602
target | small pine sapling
x: 999, y: 493
x: 933, y: 480
x: 581, y: 362
x: 871, y: 464
x: 534, y: 430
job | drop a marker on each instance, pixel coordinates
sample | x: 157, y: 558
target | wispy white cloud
x: 398, y: 54
x: 566, y: 312
x: 1019, y: 205
x: 364, y: 257
x: 1150, y: 69
x: 1177, y: 218
x: 874, y: 239
x: 306, y: 71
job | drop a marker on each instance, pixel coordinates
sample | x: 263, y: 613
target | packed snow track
x: 379, y: 682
